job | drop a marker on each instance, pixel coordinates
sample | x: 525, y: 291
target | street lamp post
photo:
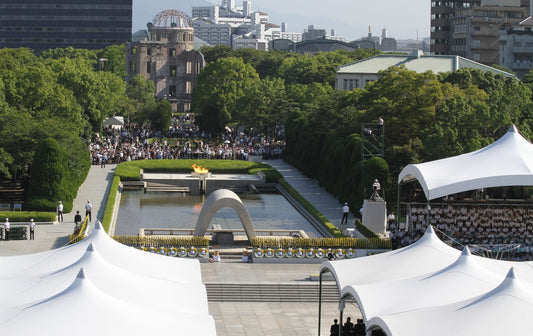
x: 101, y: 62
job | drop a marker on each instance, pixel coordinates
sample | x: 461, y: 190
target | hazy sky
x: 350, y: 18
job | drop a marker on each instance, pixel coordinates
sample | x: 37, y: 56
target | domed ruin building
x: 166, y: 56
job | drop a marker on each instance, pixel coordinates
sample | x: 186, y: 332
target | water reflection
x: 180, y: 210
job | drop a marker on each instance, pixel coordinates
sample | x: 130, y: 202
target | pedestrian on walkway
x: 32, y: 229
x: 7, y: 228
x: 103, y: 160
x: 334, y: 329
x: 60, y: 212
x: 345, y: 211
x: 77, y: 218
x: 88, y: 209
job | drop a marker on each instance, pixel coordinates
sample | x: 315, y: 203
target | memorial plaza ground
x: 243, y: 317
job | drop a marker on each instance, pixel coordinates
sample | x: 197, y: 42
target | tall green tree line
x: 427, y: 116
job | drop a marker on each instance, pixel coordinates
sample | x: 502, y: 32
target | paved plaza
x: 231, y: 318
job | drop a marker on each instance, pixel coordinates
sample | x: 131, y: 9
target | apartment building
x: 516, y: 47
x: 471, y: 28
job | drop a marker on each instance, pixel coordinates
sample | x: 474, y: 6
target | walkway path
x: 322, y: 200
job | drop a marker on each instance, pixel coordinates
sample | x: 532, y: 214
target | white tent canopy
x: 426, y: 255
x: 115, y: 122
x: 506, y: 162
x: 101, y: 287
x: 505, y: 310
x: 426, y: 288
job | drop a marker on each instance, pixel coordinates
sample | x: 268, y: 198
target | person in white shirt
x: 32, y: 229
x: 376, y: 186
x: 345, y: 211
x: 88, y: 209
x: 60, y: 212
x: 7, y: 227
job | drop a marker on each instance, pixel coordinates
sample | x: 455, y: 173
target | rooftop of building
x: 418, y: 62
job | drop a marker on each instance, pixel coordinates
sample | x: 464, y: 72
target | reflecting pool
x: 180, y: 210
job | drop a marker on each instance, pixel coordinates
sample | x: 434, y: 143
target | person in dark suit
x: 359, y: 329
x: 334, y: 329
x: 347, y: 325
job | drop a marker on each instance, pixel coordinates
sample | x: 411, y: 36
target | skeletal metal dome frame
x: 172, y: 16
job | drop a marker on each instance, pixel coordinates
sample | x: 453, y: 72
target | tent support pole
x: 428, y: 208
x: 340, y: 324
x: 341, y: 309
x: 319, y: 302
x: 398, y: 210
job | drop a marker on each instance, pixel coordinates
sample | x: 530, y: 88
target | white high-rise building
x: 246, y: 8
x: 228, y: 4
x: 239, y: 27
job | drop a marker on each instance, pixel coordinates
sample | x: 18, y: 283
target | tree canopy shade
x: 506, y: 162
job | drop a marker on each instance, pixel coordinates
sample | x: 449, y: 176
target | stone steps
x: 277, y: 292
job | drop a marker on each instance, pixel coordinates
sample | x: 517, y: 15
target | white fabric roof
x: 426, y: 255
x: 116, y: 120
x: 426, y: 288
x: 505, y: 310
x: 506, y: 162
x: 101, y: 287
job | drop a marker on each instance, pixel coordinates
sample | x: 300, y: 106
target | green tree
x: 406, y: 100
x: 161, y: 116
x: 264, y: 106
x: 306, y: 69
x: 49, y: 177
x: 113, y: 59
x: 528, y: 78
x: 212, y: 54
x: 71, y: 53
x: 99, y: 93
x: 219, y: 87
x: 141, y: 92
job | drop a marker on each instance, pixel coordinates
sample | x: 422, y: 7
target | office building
x: 50, y: 24
x: 516, y: 47
x: 442, y: 13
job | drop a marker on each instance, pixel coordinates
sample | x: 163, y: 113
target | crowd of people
x: 183, y: 140
x: 348, y: 328
x: 472, y: 224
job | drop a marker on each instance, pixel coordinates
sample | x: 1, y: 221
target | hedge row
x: 25, y: 216
x: 162, y: 241
x: 311, y: 209
x: 335, y: 162
x: 364, y: 230
x: 110, y: 204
